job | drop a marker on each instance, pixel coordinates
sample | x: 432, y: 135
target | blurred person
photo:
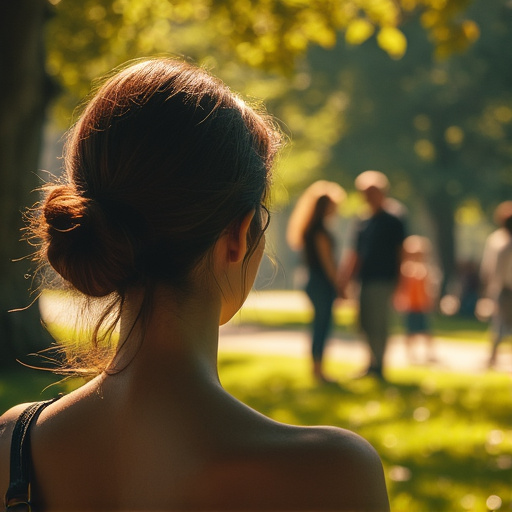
x: 374, y: 259
x: 500, y: 288
x: 493, y: 244
x: 415, y: 295
x: 307, y: 231
x: 470, y: 287
x: 161, y: 217
x: 487, y: 306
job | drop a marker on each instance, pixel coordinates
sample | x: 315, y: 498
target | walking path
x: 453, y: 355
x: 458, y: 356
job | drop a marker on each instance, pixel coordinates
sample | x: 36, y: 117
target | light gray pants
x: 374, y: 314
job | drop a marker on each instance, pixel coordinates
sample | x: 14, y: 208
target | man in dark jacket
x: 374, y: 259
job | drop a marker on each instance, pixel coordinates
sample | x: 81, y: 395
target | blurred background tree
x: 355, y: 83
x: 438, y: 123
x: 25, y: 92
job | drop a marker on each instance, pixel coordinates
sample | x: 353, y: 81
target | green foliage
x: 435, y: 124
x: 438, y: 127
x: 86, y: 39
x: 424, y: 120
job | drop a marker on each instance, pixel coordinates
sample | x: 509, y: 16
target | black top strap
x: 18, y: 493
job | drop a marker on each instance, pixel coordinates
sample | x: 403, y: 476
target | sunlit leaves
x: 454, y: 136
x: 503, y: 114
x: 272, y: 34
x: 269, y: 34
x: 469, y: 213
x: 382, y: 12
x: 495, y: 121
x: 393, y: 41
x: 259, y: 48
x: 358, y: 31
x: 425, y: 149
x: 449, y: 31
x: 422, y: 122
x: 86, y: 39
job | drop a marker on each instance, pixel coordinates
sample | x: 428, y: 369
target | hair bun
x: 63, y: 209
x: 84, y: 244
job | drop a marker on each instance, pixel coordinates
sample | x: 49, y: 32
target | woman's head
x: 162, y: 161
x: 324, y: 207
x: 319, y: 200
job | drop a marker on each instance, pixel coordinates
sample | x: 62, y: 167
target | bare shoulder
x: 340, y: 450
x: 344, y: 467
x: 318, y: 468
x: 334, y: 440
x: 7, y: 422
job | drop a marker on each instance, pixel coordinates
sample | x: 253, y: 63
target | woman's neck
x: 171, y: 338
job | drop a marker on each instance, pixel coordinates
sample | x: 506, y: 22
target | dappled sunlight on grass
x: 445, y: 438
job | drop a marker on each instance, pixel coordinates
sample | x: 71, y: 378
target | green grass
x: 445, y: 439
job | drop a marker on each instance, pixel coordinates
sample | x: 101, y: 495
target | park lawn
x: 445, y: 438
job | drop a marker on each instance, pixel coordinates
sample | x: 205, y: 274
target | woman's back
x: 313, y: 239
x: 115, y: 451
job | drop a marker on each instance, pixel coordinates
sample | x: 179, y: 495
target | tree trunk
x: 442, y: 212
x: 24, y: 95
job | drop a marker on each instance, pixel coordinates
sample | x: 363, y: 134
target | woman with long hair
x: 307, y: 231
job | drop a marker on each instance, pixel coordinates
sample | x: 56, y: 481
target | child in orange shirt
x: 414, y: 296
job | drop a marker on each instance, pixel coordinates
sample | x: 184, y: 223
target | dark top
x: 18, y: 494
x: 313, y: 260
x: 378, y: 244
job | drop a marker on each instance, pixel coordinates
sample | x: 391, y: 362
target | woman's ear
x: 237, y: 239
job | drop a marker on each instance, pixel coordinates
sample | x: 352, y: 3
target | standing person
x: 162, y: 214
x: 493, y: 244
x: 500, y: 290
x: 374, y: 259
x: 415, y: 294
x: 487, y: 305
x: 307, y: 231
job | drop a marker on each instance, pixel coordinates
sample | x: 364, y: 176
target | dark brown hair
x: 162, y: 161
x: 318, y: 216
